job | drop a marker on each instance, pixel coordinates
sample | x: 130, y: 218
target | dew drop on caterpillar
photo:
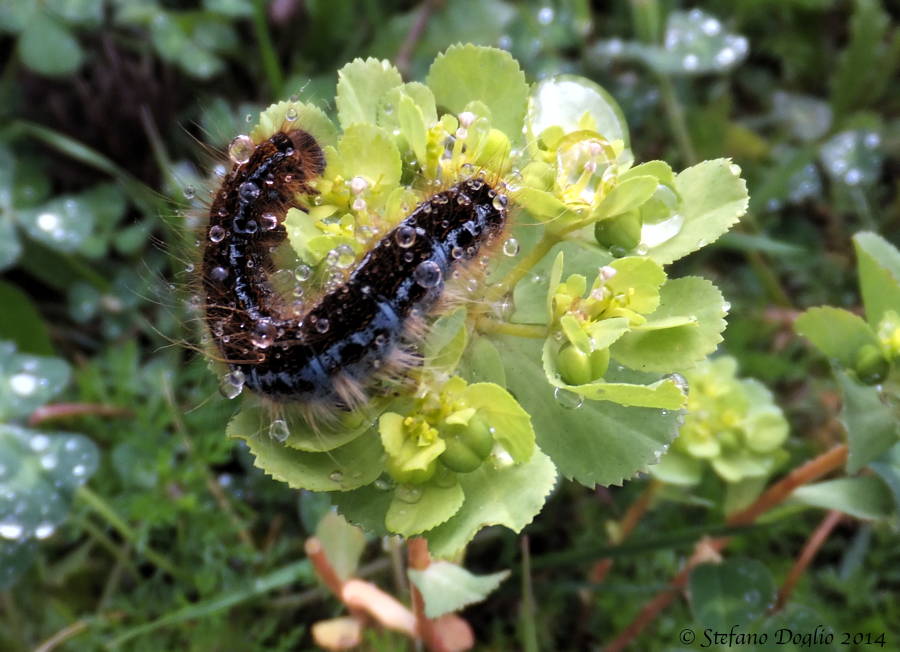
x: 355, y: 333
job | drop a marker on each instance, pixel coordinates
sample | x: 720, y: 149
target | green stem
x: 544, y: 245
x: 266, y: 48
x: 488, y: 325
x: 103, y: 509
x: 677, y: 121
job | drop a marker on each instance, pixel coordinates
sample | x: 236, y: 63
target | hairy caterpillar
x: 341, y: 344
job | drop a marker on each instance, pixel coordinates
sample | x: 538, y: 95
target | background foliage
x: 148, y: 529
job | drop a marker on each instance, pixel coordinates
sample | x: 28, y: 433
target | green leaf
x: 878, y: 264
x: 415, y: 509
x: 510, y: 422
x: 39, y: 471
x: 361, y: 86
x: 447, y: 340
x: 16, y: 557
x: 542, y: 205
x: 466, y: 73
x: 309, y: 117
x: 342, y: 542
x: 865, y: 497
x: 713, y: 198
x: 412, y: 126
x: 368, y: 151
x: 888, y: 469
x: 254, y: 420
x: 28, y: 381
x: 447, y: 587
x: 366, y: 507
x: 627, y: 195
x: 731, y: 594
x: 48, y: 48
x: 511, y: 496
x: 567, y: 100
x: 871, y: 426
x: 10, y: 246
x: 681, y: 346
x: 481, y: 363
x: 344, y: 468
x: 63, y: 223
x: 21, y: 323
x: 676, y: 468
x: 837, y: 333
x: 597, y: 443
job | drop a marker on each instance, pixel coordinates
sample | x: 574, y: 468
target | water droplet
x: 268, y: 221
x: 680, y: 382
x: 322, y: 325
x: 345, y: 256
x: 511, y: 247
x: 405, y: 236
x: 232, y: 383
x: 568, y: 400
x: 216, y: 233
x: 726, y: 306
x: 189, y: 192
x: 336, y: 476
x: 49, y: 462
x: 545, y: 15
x: 457, y: 252
x: 263, y: 334
x: 44, y: 530
x: 279, y: 431
x: 408, y: 493
x: 39, y: 443
x: 48, y: 222
x: 302, y: 273
x: 23, y: 384
x: 248, y: 191
x: 690, y: 61
x: 464, y: 200
x: 79, y: 470
x: 218, y: 274
x: 428, y: 274
x: 10, y: 530
x: 240, y: 149
x: 500, y: 457
x: 291, y: 114
x: 383, y: 484
x: 359, y: 204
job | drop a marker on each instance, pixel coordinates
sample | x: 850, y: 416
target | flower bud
x: 578, y: 368
x: 467, y: 445
x: 622, y: 231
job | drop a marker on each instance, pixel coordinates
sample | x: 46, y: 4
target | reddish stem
x: 632, y: 517
x: 419, y: 559
x: 815, y: 541
x: 774, y: 495
x: 323, y: 567
x: 63, y: 410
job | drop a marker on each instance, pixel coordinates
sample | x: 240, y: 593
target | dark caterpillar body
x: 338, y: 345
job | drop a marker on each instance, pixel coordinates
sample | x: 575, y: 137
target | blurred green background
x: 147, y: 529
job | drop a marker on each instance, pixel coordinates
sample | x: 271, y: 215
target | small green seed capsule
x: 599, y: 363
x: 871, y: 365
x: 621, y: 231
x: 467, y: 446
x: 574, y: 365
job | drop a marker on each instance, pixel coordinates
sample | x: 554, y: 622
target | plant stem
x: 102, y: 508
x: 419, y: 559
x: 677, y: 122
x: 66, y: 410
x: 532, y: 258
x: 488, y: 325
x: 404, y: 54
x: 632, y: 517
x: 825, y: 463
x: 266, y: 49
x: 815, y: 541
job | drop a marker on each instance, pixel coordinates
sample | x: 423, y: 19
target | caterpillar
x: 355, y: 333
